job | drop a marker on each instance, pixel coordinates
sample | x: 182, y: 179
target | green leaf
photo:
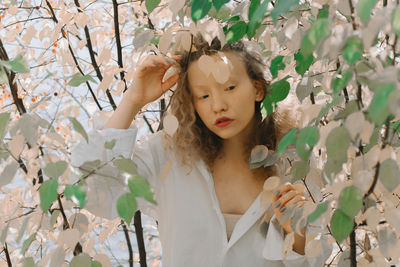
x: 236, y: 32
x: 323, y: 13
x: 18, y: 64
x: 288, y: 139
x: 353, y: 49
x: 126, y: 206
x: 337, y: 144
x: 282, y: 7
x: 379, y: 109
x: 4, y: 119
x: 396, y: 20
x: 77, y: 192
x: 254, y: 4
x: 79, y: 128
x: 110, y: 144
x: 299, y: 170
x: 341, y: 225
x: 200, y: 8
x: 223, y: 14
x: 96, y: 264
x: 56, y: 169
x: 322, y: 207
x: 303, y: 63
x: 267, y: 104
x: 27, y: 243
x: 276, y: 65
x: 151, y: 5
x: 139, y: 187
x: 219, y: 3
x: 280, y: 90
x: 306, y: 140
x: 78, y: 79
x: 389, y: 174
x: 81, y: 260
x: 364, y: 8
x: 257, y: 17
x: 341, y: 80
x: 318, y: 31
x: 125, y: 165
x: 350, y: 201
x: 29, y: 262
x: 48, y: 193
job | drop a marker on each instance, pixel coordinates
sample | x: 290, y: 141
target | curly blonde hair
x: 193, y: 139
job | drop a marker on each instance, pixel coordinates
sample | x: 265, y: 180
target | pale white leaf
x: 313, y: 248
x: 271, y: 183
x: 258, y: 153
x: 392, y: 215
x: 205, y: 64
x: 366, y: 132
x: 81, y: 19
x: 69, y: 237
x: 81, y: 222
x: 16, y: 145
x: 57, y: 256
x: 105, y: 56
x: 355, y: 123
x: 387, y: 241
x: 373, y: 217
x: 171, y: 124
x: 142, y: 39
x: 266, y: 197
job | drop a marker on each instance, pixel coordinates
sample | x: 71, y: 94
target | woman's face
x: 225, y: 107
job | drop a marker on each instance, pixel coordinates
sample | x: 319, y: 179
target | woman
x: 209, y: 210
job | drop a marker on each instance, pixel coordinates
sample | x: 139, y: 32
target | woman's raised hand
x: 285, y: 196
x: 147, y: 84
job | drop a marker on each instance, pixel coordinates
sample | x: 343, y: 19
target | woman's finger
x: 287, y: 196
x: 295, y: 200
x: 282, y: 189
x: 169, y: 82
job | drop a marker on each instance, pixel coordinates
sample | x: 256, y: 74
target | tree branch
x: 128, y: 241
x: 139, y: 236
x: 74, y: 57
x: 92, y: 58
x: 118, y: 41
x: 9, y: 263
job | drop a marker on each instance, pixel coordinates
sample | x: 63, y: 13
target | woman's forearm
x: 124, y: 114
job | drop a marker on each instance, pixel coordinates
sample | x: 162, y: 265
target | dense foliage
x: 65, y: 64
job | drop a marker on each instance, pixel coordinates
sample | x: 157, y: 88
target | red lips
x: 223, y: 121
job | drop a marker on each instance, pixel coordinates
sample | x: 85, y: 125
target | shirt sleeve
x: 147, y: 156
x: 273, y: 247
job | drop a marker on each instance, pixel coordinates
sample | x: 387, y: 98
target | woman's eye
x: 231, y: 88
x: 203, y: 97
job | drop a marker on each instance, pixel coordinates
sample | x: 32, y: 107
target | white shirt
x: 191, y: 226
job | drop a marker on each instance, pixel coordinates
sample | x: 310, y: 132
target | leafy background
x: 65, y: 65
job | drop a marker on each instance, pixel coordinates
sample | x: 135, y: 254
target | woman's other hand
x: 147, y: 84
x: 285, y: 196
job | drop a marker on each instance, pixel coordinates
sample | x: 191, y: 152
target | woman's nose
x: 218, y: 103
